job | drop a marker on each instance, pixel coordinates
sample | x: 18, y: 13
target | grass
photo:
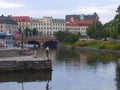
x: 95, y: 45
x: 108, y: 45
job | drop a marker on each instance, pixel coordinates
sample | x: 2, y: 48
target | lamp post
x: 22, y: 41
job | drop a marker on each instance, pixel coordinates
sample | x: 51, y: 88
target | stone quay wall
x: 17, y: 66
x: 24, y: 64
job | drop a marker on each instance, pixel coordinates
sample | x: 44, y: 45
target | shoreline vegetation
x: 95, y: 45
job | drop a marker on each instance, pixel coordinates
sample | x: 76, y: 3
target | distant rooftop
x: 21, y: 18
x: 7, y: 20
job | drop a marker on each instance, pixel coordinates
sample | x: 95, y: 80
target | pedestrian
x: 47, y: 52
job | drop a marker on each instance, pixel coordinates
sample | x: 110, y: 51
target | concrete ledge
x: 24, y: 64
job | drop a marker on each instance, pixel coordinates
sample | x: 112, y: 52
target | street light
x: 22, y: 40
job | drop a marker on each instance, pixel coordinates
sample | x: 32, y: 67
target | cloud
x: 101, y: 10
x: 4, y: 4
x: 106, y: 13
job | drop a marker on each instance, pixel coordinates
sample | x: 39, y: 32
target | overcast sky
x: 106, y: 9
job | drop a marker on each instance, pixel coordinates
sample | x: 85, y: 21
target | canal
x: 72, y: 70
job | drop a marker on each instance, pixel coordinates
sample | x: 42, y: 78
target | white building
x: 78, y: 29
x: 47, y: 26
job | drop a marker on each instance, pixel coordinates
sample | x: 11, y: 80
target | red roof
x: 21, y: 18
x: 79, y: 23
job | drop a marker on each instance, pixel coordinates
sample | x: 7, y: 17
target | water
x: 72, y: 70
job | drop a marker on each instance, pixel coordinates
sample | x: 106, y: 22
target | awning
x: 17, y: 35
x: 3, y: 34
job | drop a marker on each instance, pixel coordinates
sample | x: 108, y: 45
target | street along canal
x: 72, y: 70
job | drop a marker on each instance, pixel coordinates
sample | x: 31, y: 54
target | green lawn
x: 109, y: 45
x: 114, y: 45
x: 94, y: 45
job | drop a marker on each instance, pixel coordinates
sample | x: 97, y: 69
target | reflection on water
x: 72, y: 70
x: 85, y: 57
x: 26, y: 77
x: 21, y: 81
x: 118, y: 76
x: 97, y: 71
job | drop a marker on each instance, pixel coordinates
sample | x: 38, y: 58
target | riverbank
x: 116, y: 52
x: 98, y: 50
x: 96, y: 46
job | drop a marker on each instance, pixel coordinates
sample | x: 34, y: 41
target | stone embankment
x: 15, y: 60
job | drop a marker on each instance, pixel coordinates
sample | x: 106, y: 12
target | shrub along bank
x: 107, y: 45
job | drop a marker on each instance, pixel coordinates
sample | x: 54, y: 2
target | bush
x: 78, y: 43
x: 73, y: 47
x: 82, y: 43
x: 91, y: 42
x: 107, y: 45
x: 117, y: 47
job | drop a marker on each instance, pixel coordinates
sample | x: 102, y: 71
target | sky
x: 106, y: 9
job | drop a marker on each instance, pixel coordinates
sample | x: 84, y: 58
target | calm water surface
x: 72, y: 70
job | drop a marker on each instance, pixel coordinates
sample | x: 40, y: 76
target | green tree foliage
x: 66, y: 36
x: 110, y: 30
x: 106, y: 31
x: 94, y: 31
x: 118, y: 14
x: 27, y: 32
x: 114, y: 32
x: 35, y: 32
x: 117, y: 19
x: 91, y: 31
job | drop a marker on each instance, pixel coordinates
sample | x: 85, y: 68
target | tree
x: 112, y: 28
x: 35, y: 32
x: 106, y: 30
x: 60, y: 35
x: 114, y: 32
x: 91, y: 31
x: 117, y: 19
x: 27, y: 32
x: 94, y: 30
x: 118, y: 13
x: 66, y: 36
x: 105, y: 33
